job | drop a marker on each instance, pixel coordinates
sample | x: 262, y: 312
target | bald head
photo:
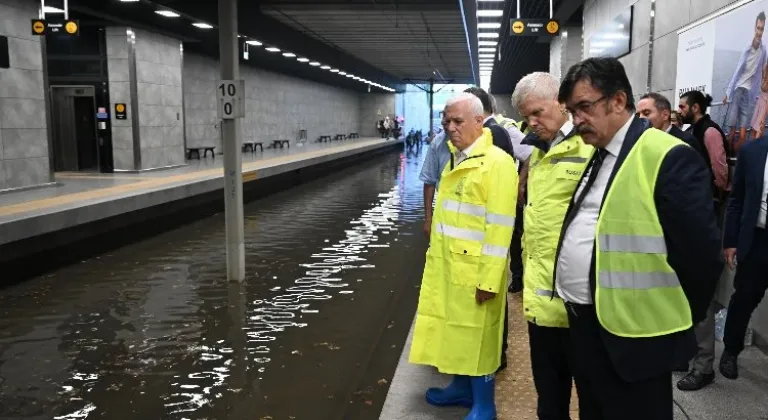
x: 463, y: 120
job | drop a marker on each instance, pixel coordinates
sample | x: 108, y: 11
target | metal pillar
x: 230, y: 137
x: 431, y: 94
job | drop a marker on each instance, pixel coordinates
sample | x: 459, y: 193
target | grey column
x: 230, y: 138
x: 650, y: 45
x: 133, y: 86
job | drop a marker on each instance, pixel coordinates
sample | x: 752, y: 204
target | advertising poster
x: 726, y: 56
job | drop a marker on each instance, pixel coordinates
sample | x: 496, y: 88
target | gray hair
x: 474, y: 102
x: 536, y: 85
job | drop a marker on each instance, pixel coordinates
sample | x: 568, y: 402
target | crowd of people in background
x: 390, y: 127
x: 614, y: 222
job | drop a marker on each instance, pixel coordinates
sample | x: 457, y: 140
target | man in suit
x: 501, y: 137
x: 501, y: 140
x: 745, y: 240
x: 638, y: 259
x: 657, y: 109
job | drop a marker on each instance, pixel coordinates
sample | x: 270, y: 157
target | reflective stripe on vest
x: 473, y: 235
x: 569, y: 159
x: 460, y: 233
x: 546, y: 293
x: 475, y: 210
x: 638, y: 294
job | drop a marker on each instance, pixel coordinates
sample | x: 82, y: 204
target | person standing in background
x: 693, y: 109
x: 745, y: 239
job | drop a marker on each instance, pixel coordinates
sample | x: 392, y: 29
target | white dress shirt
x: 564, y: 131
x: 579, y: 239
x: 463, y: 154
x: 761, y: 216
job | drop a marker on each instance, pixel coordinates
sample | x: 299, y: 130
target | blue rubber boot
x: 459, y: 392
x: 484, y: 407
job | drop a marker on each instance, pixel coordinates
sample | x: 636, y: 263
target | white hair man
x: 459, y: 321
x: 555, y: 166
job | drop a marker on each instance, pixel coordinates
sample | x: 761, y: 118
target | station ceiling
x: 389, y: 42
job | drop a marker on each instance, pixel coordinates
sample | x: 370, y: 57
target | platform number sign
x: 230, y: 99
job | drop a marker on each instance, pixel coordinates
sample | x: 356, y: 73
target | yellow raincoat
x: 469, y: 250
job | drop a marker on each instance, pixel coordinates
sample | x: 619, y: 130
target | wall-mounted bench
x: 323, y: 139
x: 353, y: 136
x: 281, y: 143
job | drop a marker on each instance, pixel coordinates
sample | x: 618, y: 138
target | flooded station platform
x: 319, y: 330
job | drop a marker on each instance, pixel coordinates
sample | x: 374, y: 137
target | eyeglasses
x: 584, y: 107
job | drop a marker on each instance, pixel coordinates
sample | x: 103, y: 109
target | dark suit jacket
x: 746, y: 194
x: 500, y: 136
x: 684, y: 205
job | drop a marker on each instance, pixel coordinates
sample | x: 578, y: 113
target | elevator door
x: 74, y: 128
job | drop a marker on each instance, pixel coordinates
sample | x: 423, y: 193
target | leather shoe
x: 695, y: 380
x: 729, y: 366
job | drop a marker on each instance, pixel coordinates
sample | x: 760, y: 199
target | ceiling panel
x: 408, y: 39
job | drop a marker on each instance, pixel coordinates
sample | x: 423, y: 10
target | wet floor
x: 154, y: 331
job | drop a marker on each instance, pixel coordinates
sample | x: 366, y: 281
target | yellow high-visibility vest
x: 553, y: 176
x: 637, y: 293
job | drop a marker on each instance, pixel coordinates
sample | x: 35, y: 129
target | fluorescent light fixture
x: 334, y: 70
x: 253, y: 42
x: 488, y: 25
x: 342, y: 73
x: 487, y: 43
x: 51, y: 9
x: 490, y: 13
x: 325, y: 67
x: 486, y: 50
x: 129, y: 1
x: 273, y: 49
x: 487, y: 35
x: 486, y: 56
x: 314, y: 63
x: 350, y: 75
x: 202, y: 25
x: 167, y: 13
x: 289, y: 54
x: 303, y: 60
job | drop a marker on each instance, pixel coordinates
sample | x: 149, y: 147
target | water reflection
x: 155, y: 331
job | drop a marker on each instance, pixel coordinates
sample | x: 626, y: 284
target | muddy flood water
x: 154, y: 331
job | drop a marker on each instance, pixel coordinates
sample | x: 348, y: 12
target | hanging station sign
x: 534, y: 27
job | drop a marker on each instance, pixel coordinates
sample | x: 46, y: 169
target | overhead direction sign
x: 534, y: 27
x: 55, y: 27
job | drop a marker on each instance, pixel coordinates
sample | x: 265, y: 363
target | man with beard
x: 693, y: 109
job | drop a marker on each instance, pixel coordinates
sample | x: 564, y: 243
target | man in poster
x: 744, y: 87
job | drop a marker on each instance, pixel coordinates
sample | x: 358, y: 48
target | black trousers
x: 603, y: 395
x: 749, y: 284
x: 516, y: 248
x: 550, y: 349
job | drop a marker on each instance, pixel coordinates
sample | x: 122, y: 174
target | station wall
x: 277, y: 106
x: 669, y: 16
x: 23, y: 127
